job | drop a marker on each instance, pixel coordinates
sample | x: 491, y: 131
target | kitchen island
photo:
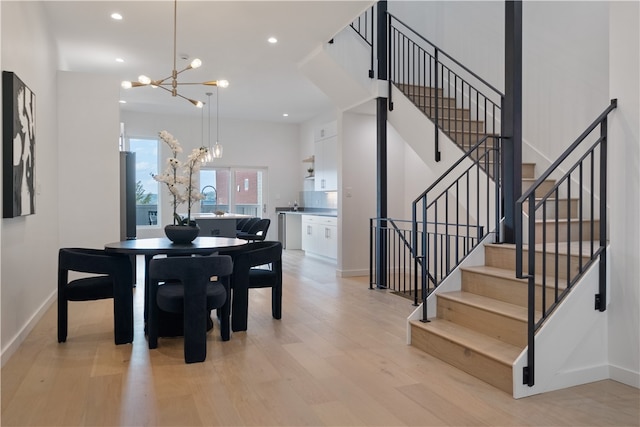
x: 212, y: 225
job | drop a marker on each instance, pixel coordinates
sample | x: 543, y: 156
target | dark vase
x: 181, y: 234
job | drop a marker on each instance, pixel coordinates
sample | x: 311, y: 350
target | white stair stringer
x: 571, y: 346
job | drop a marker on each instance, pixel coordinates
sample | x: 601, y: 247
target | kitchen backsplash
x: 319, y: 199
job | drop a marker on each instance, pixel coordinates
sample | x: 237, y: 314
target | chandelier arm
x: 168, y: 90
x: 172, y: 79
x: 193, y: 101
x: 161, y: 81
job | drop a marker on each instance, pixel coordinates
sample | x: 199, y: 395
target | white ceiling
x: 230, y: 37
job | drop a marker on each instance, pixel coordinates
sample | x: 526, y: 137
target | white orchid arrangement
x: 179, y: 177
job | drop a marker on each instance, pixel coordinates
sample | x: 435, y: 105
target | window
x: 233, y: 190
x: 146, y: 187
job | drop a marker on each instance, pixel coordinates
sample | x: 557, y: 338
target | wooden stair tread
x: 564, y: 220
x: 505, y: 309
x: 562, y: 247
x: 493, y: 348
x: 504, y: 273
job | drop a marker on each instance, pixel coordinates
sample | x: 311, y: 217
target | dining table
x: 151, y: 247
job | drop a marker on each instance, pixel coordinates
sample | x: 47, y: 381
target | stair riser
x: 461, y: 125
x: 446, y: 113
x: 468, y: 139
x: 566, y: 232
x: 430, y: 101
x: 505, y: 257
x: 528, y: 170
x: 487, y: 369
x: 541, y: 191
x: 513, y: 291
x: 564, y: 208
x: 409, y: 90
x: 495, y: 325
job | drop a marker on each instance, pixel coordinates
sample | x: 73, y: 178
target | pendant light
x: 172, y: 80
x: 207, y: 157
x: 217, y: 148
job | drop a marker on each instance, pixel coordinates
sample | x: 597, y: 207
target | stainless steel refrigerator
x: 127, y: 195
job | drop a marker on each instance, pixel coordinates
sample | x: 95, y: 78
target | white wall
x: 88, y: 159
x: 447, y: 24
x: 246, y: 144
x: 357, y: 192
x: 29, y: 244
x: 624, y: 200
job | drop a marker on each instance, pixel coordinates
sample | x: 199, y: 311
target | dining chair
x: 255, y: 265
x: 183, y: 284
x: 258, y: 231
x: 110, y: 276
x: 248, y: 224
x: 241, y: 223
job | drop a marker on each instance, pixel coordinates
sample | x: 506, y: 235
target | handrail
x: 396, y: 239
x: 455, y: 61
x: 581, y: 222
x: 612, y: 106
x: 442, y: 87
x: 366, y: 35
x: 475, y: 179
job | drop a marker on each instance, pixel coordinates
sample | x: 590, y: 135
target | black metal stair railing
x: 581, y: 194
x: 468, y: 193
x: 402, y: 269
x: 364, y: 26
x: 457, y: 100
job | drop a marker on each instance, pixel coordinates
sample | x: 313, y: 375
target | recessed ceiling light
x: 116, y: 16
x: 285, y: 115
x: 122, y: 101
x: 272, y: 40
x: 119, y: 60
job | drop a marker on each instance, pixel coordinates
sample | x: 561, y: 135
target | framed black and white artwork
x: 18, y: 147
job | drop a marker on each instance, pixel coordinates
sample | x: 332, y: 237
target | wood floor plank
x: 338, y: 356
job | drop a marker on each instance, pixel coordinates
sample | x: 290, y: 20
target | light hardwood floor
x: 337, y: 357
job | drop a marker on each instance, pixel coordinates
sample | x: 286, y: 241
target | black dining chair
x: 255, y: 265
x: 247, y: 225
x: 257, y: 231
x: 241, y: 223
x: 183, y: 284
x: 110, y: 276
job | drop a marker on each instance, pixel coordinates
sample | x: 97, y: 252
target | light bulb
x: 196, y: 63
x: 199, y: 104
x: 126, y: 84
x: 223, y: 83
x: 217, y: 151
x: 144, y: 79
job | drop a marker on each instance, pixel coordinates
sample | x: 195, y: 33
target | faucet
x: 215, y: 192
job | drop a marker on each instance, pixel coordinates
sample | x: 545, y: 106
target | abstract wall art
x: 18, y: 147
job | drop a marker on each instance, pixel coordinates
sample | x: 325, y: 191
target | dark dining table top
x: 162, y: 245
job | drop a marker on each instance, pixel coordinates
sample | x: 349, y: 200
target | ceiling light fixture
x: 217, y: 148
x: 116, y: 16
x: 209, y: 157
x: 172, y: 80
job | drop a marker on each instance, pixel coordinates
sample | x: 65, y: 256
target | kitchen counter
x: 198, y: 216
x: 329, y: 213
x: 218, y: 225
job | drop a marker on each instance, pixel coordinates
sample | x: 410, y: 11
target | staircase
x: 482, y: 328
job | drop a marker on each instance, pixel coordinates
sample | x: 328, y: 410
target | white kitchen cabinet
x: 320, y: 235
x: 326, y: 158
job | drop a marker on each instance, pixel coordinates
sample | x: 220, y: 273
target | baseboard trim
x: 624, y: 376
x: 19, y: 338
x: 352, y: 273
